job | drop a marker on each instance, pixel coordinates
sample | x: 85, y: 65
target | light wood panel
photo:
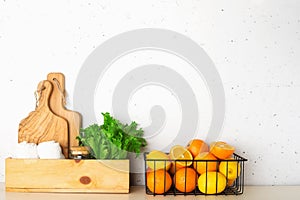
x: 67, y: 175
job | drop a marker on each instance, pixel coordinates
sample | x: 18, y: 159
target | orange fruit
x: 230, y: 182
x: 178, y: 153
x: 202, y: 166
x: 185, y: 179
x: 174, y: 168
x: 159, y: 181
x: 221, y: 150
x: 197, y: 146
x: 212, y: 183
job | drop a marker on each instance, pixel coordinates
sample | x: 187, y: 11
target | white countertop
x: 138, y: 192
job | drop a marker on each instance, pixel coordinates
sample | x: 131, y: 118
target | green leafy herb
x: 112, y: 140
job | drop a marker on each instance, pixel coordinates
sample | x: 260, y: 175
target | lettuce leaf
x: 112, y: 139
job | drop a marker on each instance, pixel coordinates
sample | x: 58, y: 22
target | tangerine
x: 159, y: 181
x: 174, y: 168
x: 202, y: 165
x: 230, y: 182
x: 197, y: 146
x: 221, y: 150
x: 185, y: 179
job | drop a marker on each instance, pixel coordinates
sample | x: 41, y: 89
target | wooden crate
x: 67, y: 175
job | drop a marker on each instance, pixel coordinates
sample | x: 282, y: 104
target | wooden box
x: 67, y: 175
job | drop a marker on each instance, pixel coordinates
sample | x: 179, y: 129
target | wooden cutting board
x: 57, y: 106
x: 42, y: 124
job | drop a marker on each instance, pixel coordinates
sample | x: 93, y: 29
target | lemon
x: 158, y: 160
x: 230, y: 169
x: 212, y: 183
x: 178, y: 152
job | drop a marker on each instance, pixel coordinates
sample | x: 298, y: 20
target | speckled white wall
x: 255, y: 45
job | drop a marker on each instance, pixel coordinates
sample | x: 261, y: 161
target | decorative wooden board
x: 67, y: 175
x: 57, y: 106
x: 42, y: 124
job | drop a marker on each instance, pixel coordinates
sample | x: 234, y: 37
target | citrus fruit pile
x: 210, y: 168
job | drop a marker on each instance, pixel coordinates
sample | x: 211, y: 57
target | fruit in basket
x: 185, y: 179
x: 212, y: 183
x: 202, y: 166
x: 196, y: 146
x: 159, y: 181
x: 160, y: 160
x: 174, y: 168
x: 230, y: 182
x: 221, y: 150
x: 182, y: 156
x: 230, y: 169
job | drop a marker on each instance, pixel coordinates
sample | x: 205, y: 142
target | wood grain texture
x: 67, y: 175
x: 42, y: 124
x: 57, y: 106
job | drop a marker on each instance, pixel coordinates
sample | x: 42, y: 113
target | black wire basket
x: 161, y: 167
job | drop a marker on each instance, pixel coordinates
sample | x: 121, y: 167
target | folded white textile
x: 26, y: 150
x: 49, y: 150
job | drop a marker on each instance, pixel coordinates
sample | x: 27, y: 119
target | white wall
x: 254, y: 45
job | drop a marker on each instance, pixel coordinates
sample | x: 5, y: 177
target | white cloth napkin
x: 49, y: 150
x: 44, y: 150
x: 26, y: 150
